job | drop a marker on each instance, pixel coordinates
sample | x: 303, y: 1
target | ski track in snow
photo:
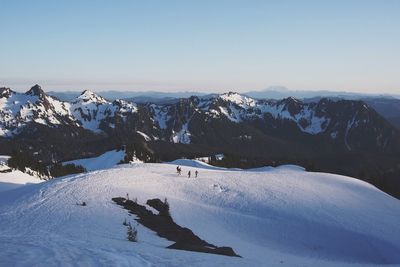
x: 270, y: 216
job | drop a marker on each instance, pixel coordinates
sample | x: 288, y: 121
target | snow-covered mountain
x: 90, y: 110
x: 339, y: 120
x: 17, y: 110
x: 350, y: 124
x: 340, y: 136
x: 270, y: 216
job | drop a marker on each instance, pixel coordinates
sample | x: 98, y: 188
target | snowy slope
x: 15, y: 178
x: 104, y: 161
x: 271, y: 217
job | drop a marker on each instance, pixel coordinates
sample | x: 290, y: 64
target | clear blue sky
x: 201, y: 45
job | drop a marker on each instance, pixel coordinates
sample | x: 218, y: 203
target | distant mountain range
x: 113, y: 95
x: 279, y: 92
x: 170, y: 121
x: 388, y: 105
x: 335, y: 135
x: 276, y: 92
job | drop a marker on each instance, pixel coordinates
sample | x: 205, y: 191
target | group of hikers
x: 179, y: 171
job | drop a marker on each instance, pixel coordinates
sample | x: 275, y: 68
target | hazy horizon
x: 206, y: 46
x: 276, y: 88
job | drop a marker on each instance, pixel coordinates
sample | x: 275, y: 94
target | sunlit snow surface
x: 270, y: 216
x: 104, y: 161
x: 15, y: 178
x: 87, y: 110
x: 19, y: 109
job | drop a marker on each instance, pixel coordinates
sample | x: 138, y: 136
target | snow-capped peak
x: 5, y: 92
x: 88, y: 95
x: 36, y: 90
x: 241, y: 100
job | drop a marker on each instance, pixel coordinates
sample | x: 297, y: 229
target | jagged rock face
x: 36, y: 90
x: 5, y: 92
x: 225, y: 118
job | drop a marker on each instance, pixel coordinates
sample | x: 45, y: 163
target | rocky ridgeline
x: 351, y: 125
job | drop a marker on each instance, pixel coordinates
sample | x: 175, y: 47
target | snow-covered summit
x: 91, y: 109
x: 238, y: 99
x: 89, y: 96
x: 17, y: 110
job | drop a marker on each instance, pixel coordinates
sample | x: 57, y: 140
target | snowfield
x: 14, y: 179
x: 270, y: 216
x: 104, y: 161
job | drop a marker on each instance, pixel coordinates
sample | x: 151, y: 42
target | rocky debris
x: 165, y: 227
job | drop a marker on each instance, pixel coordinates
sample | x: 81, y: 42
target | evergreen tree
x: 58, y: 169
x: 132, y: 233
x: 166, y: 208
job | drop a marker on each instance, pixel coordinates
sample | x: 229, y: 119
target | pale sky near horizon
x: 207, y: 46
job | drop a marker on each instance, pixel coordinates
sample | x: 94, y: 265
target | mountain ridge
x: 253, y: 131
x: 176, y: 122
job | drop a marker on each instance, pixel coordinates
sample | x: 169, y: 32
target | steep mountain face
x: 389, y: 108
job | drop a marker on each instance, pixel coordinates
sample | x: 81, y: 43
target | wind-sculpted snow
x: 272, y: 217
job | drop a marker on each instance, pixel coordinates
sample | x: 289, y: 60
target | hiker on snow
x: 189, y: 174
x: 195, y: 174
